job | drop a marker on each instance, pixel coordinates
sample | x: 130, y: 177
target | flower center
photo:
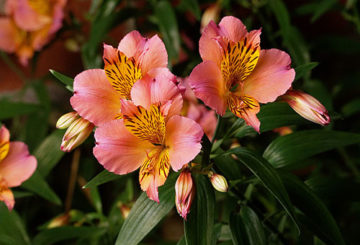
x: 122, y: 73
x: 240, y: 105
x: 239, y: 61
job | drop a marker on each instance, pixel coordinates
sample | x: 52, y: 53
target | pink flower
x: 97, y: 92
x: 198, y: 112
x: 307, y: 106
x: 16, y: 166
x: 236, y: 74
x: 29, y: 25
x: 151, y: 134
x: 184, y: 192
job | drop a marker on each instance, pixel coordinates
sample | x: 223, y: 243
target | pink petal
x: 158, y: 87
x: 8, y: 33
x: 233, y: 28
x: 7, y: 197
x: 209, y: 48
x: 149, y: 53
x: 207, y: 83
x: 132, y: 44
x: 252, y: 120
x: 117, y: 149
x: 27, y: 18
x: 153, y: 55
x: 18, y: 165
x: 58, y: 15
x: 271, y: 77
x: 183, y: 137
x: 94, y: 98
x: 204, y: 117
x: 4, y: 135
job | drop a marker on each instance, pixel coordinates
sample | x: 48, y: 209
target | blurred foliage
x: 300, y: 188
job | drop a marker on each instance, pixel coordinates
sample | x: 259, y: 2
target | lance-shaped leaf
x: 268, y: 175
x: 102, y: 178
x: 316, y: 215
x: 246, y: 228
x: 13, y: 109
x: 146, y: 214
x: 200, y: 221
x: 292, y: 148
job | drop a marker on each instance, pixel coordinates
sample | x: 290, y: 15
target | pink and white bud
x: 184, y: 192
x: 218, y: 182
x: 210, y: 14
x: 307, y: 106
x: 66, y: 120
x: 76, y: 134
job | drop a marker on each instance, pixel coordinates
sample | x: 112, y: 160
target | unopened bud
x: 283, y: 130
x: 307, y: 106
x: 58, y: 221
x: 210, y: 14
x: 76, y: 134
x: 125, y: 210
x: 218, y: 182
x: 66, y: 120
x: 184, y: 192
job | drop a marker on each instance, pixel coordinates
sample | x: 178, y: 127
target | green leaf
x: 168, y: 27
x: 67, y: 81
x: 351, y: 108
x: 289, y: 149
x: 316, y: 215
x: 13, y: 109
x: 200, y: 221
x: 48, y: 153
x: 268, y: 175
x: 246, y: 228
x: 302, y: 70
x: 11, y: 227
x: 38, y: 185
x: 146, y: 214
x: 58, y: 234
x: 278, y: 114
x: 102, y: 178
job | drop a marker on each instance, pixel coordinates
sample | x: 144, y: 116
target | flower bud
x: 66, y: 120
x: 307, y: 106
x: 58, y: 221
x: 218, y: 182
x: 210, y: 14
x: 76, y: 134
x: 125, y: 210
x: 184, y: 192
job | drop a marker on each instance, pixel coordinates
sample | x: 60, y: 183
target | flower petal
x: 233, y: 28
x: 121, y: 71
x: 158, y: 88
x: 207, y: 83
x: 94, y: 98
x: 8, y: 34
x: 26, y: 16
x: 153, y: 172
x: 7, y: 197
x: 245, y: 107
x: 18, y: 165
x: 132, y: 44
x: 4, y: 142
x: 204, y: 117
x: 271, y: 77
x: 153, y: 55
x: 209, y: 47
x: 183, y: 137
x: 117, y: 149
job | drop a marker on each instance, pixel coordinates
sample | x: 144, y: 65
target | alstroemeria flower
x: 97, y: 92
x: 151, y: 134
x: 196, y: 111
x: 16, y: 166
x: 29, y: 25
x: 236, y: 74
